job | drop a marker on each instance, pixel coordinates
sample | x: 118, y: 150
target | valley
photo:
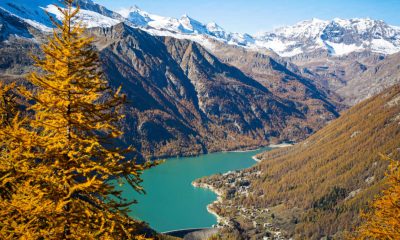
x: 217, y: 105
x: 316, y: 188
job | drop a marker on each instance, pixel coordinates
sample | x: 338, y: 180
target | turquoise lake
x: 171, y: 202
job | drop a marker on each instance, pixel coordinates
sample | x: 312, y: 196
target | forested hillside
x: 336, y: 171
x: 318, y: 187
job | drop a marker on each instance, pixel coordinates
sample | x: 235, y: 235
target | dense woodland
x: 381, y: 220
x: 333, y: 174
x: 319, y: 187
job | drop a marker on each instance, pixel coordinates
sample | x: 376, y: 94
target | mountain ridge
x: 285, y: 41
x: 337, y: 37
x: 182, y: 99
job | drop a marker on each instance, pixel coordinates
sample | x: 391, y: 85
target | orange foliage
x: 383, y: 220
x: 57, y: 162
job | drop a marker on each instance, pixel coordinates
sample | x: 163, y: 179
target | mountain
x: 318, y: 187
x: 34, y: 13
x: 301, y: 95
x: 337, y: 37
x: 184, y: 27
x: 183, y: 100
x: 185, y: 24
x: 186, y: 101
x: 354, y: 77
x: 333, y: 54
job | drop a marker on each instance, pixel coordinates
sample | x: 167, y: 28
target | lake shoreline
x: 235, y: 150
x: 220, y: 219
x: 281, y: 145
x: 172, y: 182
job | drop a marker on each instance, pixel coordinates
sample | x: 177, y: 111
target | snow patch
x: 339, y: 49
x: 89, y: 19
x: 292, y: 53
x: 383, y: 46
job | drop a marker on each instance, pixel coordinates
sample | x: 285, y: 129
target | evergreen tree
x: 383, y: 220
x: 58, y: 167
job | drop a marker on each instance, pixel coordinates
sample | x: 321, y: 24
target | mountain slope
x: 316, y: 188
x: 354, y: 77
x: 344, y: 155
x: 185, y: 101
x: 182, y: 99
x: 372, y: 79
x: 283, y: 78
x: 34, y: 13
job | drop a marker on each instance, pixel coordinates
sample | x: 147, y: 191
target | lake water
x: 171, y: 202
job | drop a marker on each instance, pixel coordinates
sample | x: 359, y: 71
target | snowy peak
x: 305, y: 29
x: 338, y: 37
x: 135, y: 15
x: 190, y: 25
x: 34, y: 13
x: 183, y: 25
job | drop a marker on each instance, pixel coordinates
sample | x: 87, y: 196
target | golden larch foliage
x: 58, y: 163
x: 383, y: 219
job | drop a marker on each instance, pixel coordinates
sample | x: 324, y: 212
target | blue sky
x: 252, y: 16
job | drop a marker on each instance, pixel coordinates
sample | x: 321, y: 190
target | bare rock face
x: 10, y: 26
x: 282, y: 77
x: 353, y: 77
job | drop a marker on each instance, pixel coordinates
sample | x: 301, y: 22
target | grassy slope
x: 318, y: 174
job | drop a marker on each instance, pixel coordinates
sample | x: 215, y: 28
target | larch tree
x: 20, y: 195
x: 65, y: 188
x: 383, y: 219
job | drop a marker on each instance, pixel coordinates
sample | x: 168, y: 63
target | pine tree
x: 383, y: 220
x: 63, y: 188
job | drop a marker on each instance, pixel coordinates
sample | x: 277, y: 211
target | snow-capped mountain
x: 34, y: 13
x: 185, y: 25
x: 337, y: 37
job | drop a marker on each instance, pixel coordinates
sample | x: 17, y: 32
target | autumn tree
x: 8, y: 103
x: 60, y: 165
x: 383, y: 219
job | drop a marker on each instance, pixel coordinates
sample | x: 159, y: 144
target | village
x: 230, y: 187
